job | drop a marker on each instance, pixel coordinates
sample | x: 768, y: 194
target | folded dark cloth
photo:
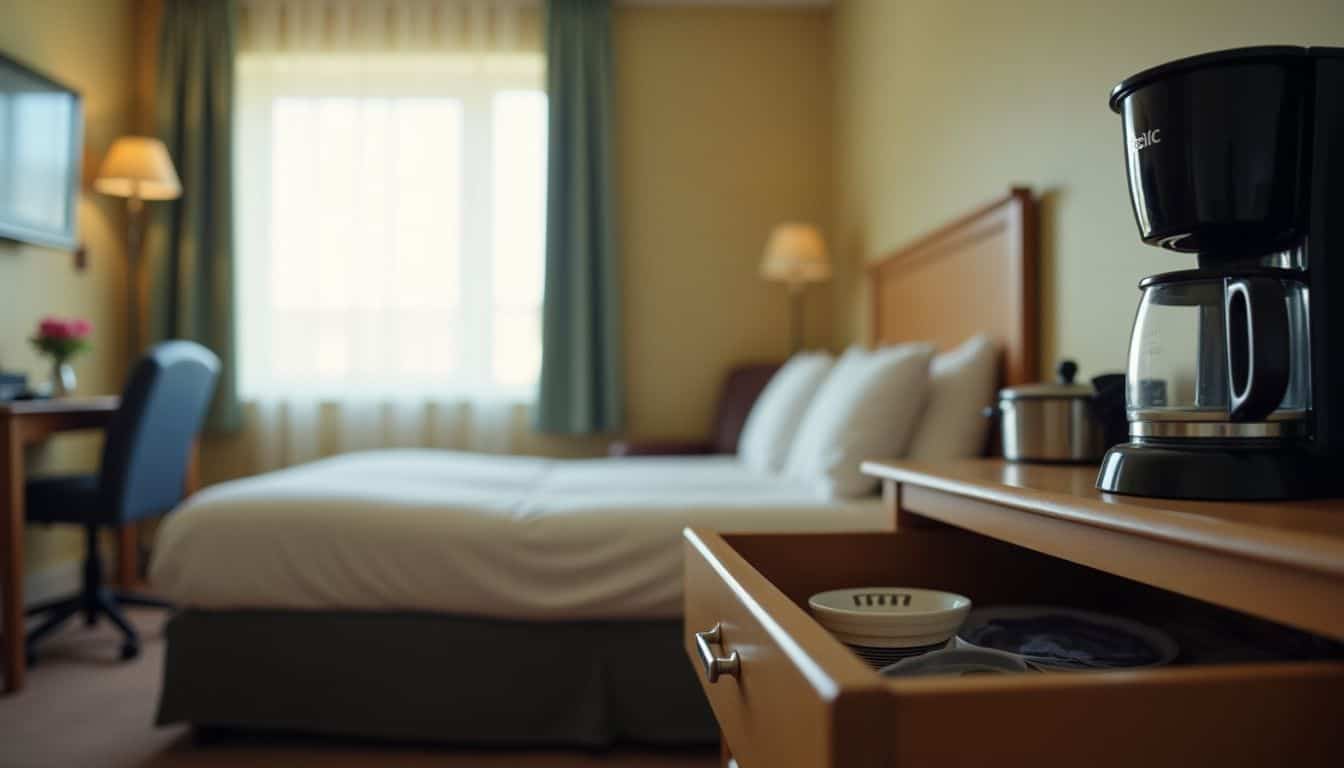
x: 1062, y: 638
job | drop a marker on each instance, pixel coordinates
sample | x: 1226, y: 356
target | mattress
x: 472, y: 534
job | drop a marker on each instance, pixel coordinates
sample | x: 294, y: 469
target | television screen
x: 41, y: 124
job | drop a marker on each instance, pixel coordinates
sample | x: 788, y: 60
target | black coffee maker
x: 1235, y: 384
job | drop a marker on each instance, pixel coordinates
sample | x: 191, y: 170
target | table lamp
x: 796, y: 255
x: 137, y: 168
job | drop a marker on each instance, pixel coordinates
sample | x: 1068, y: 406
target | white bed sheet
x: 503, y: 536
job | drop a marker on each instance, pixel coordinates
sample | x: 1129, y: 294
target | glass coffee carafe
x: 1217, y: 354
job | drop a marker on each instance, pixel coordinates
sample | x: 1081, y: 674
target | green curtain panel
x: 581, y: 385
x: 191, y: 253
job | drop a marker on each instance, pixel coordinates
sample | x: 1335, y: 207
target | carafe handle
x: 1256, y: 311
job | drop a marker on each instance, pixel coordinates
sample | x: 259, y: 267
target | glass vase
x: 62, y: 379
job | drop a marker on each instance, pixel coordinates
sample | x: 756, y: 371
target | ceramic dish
x: 886, y: 624
x: 1066, y: 639
x: 883, y: 657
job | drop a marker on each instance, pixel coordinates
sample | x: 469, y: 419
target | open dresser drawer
x: 786, y: 693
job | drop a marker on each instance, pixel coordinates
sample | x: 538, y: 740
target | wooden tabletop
x: 59, y: 405
x: 1305, y: 534
x: 1279, y: 560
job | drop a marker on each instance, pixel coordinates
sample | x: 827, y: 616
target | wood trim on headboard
x: 975, y: 274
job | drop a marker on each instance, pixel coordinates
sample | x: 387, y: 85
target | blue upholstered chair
x: 143, y: 474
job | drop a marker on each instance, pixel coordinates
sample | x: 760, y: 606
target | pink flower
x: 51, y: 328
x: 59, y: 328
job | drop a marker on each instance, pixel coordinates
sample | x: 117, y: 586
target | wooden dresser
x: 1254, y: 593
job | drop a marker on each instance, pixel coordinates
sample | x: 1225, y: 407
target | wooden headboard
x: 975, y: 274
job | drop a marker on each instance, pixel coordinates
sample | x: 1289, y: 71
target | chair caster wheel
x: 129, y: 651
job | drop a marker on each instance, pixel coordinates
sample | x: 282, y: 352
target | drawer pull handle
x: 716, y: 665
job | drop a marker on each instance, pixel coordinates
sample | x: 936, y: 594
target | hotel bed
x: 457, y: 597
x: 454, y: 597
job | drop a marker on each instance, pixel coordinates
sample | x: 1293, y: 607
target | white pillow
x: 774, y: 417
x: 866, y: 409
x: 961, y: 386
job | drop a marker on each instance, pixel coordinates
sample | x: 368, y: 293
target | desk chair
x: 143, y: 474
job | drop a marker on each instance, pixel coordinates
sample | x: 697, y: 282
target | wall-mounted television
x: 41, y: 148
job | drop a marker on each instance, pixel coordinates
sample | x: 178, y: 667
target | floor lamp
x: 137, y: 168
x: 796, y: 255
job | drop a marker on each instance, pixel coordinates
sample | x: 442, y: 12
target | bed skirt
x: 434, y: 678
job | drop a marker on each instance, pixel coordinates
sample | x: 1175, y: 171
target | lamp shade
x: 138, y: 166
x: 796, y: 253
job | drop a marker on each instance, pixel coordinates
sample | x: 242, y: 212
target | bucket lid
x: 1062, y: 387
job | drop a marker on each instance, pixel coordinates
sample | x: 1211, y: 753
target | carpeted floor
x: 83, y: 708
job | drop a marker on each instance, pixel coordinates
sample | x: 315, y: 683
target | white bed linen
x: 503, y: 536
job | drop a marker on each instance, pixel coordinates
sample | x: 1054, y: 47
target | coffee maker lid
x: 1204, y: 275
x: 1216, y: 58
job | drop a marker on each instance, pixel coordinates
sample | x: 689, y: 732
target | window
x: 391, y: 218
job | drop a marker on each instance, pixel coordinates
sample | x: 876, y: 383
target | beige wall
x: 942, y: 104
x: 85, y: 44
x: 723, y: 130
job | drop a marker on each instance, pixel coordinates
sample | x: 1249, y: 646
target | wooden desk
x: 1006, y: 534
x: 23, y: 423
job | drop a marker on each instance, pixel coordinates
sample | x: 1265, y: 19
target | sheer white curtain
x: 390, y: 204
